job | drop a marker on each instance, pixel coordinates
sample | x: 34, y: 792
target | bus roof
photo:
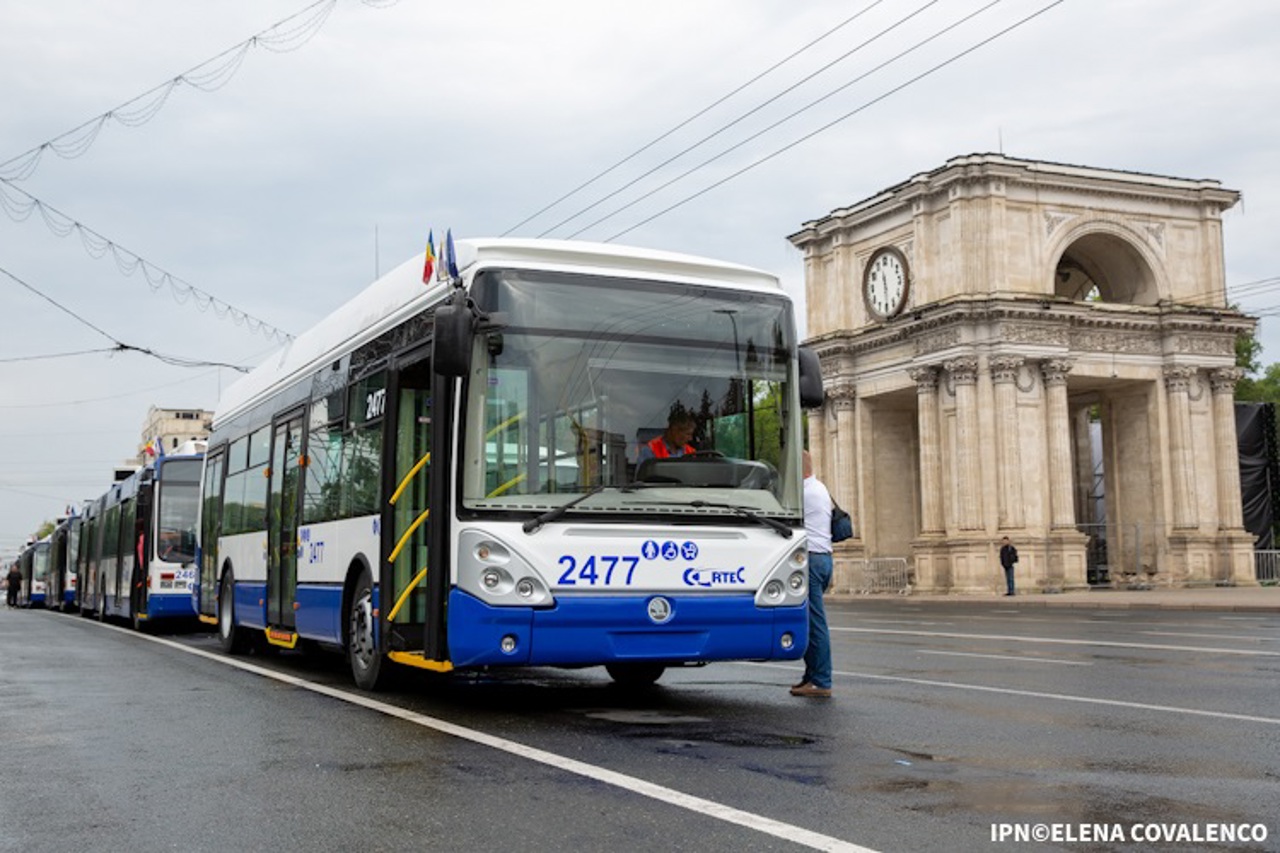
x: 401, y: 294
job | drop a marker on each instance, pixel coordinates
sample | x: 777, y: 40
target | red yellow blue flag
x: 429, y: 265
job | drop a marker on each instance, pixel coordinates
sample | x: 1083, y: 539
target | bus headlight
x: 787, y: 583
x: 497, y: 574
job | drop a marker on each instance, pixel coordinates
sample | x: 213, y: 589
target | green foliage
x: 1248, y: 358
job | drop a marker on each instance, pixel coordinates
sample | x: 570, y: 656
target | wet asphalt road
x: 947, y: 721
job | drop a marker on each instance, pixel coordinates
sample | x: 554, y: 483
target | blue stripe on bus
x: 599, y: 630
x: 250, y: 604
x: 170, y: 606
x: 319, y: 615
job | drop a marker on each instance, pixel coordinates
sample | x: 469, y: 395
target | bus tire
x: 102, y: 603
x: 368, y: 666
x: 233, y: 638
x: 635, y: 674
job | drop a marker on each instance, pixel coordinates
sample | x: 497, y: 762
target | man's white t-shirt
x: 817, y: 515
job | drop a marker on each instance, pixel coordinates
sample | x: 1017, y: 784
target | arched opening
x: 1105, y: 268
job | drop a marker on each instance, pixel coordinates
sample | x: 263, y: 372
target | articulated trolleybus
x: 460, y: 475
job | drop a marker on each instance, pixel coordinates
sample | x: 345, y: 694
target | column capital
x: 1004, y: 368
x: 842, y: 396
x: 1055, y: 370
x: 925, y: 377
x: 1224, y: 379
x: 1177, y: 379
x: 964, y: 371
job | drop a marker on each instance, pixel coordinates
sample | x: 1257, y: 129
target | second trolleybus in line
x: 137, y: 543
x: 451, y: 475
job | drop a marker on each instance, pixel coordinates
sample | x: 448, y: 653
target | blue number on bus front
x: 597, y: 570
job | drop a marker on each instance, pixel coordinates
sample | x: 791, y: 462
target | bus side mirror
x: 811, y: 392
x: 451, y: 344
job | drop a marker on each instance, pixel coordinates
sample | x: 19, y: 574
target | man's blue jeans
x: 817, y: 655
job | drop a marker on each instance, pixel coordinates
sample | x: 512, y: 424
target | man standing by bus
x: 817, y: 527
x: 14, y: 580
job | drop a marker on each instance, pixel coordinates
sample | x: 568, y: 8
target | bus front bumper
x: 595, y: 630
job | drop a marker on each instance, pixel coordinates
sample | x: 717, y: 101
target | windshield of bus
x: 179, y: 499
x: 650, y: 396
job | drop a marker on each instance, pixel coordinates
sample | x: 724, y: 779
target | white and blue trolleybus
x: 137, y: 558
x: 456, y: 473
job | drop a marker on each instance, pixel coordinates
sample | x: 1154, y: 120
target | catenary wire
x: 806, y: 137
x: 794, y: 54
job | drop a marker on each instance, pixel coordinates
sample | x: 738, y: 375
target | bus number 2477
x: 598, y: 571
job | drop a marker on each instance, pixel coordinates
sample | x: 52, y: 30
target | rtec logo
x: 715, y: 577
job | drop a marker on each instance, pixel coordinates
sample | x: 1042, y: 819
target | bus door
x: 283, y: 504
x: 407, y: 517
x: 210, y: 530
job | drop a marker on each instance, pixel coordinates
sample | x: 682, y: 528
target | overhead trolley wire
x: 121, y: 346
x: 693, y: 117
x: 918, y: 45
x: 806, y: 137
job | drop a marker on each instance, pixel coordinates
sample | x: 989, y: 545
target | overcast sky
x: 323, y: 152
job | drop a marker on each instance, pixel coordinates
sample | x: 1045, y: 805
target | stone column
x: 1004, y: 376
x: 818, y: 440
x: 1061, y: 475
x: 1177, y: 383
x: 843, y: 400
x: 1226, y: 449
x: 964, y: 376
x: 926, y: 379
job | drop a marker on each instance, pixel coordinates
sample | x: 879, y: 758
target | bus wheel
x: 102, y: 604
x: 367, y: 664
x: 635, y: 674
x: 231, y: 635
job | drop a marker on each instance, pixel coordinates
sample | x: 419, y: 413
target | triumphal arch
x: 1033, y: 350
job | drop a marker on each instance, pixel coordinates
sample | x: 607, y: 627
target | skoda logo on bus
x: 659, y: 609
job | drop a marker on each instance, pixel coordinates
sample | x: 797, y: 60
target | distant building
x: 171, y: 428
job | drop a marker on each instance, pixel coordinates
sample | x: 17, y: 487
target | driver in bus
x: 674, y: 442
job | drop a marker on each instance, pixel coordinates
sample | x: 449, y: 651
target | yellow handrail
x: 405, y: 538
x: 519, y: 478
x: 407, y: 477
x: 404, y: 596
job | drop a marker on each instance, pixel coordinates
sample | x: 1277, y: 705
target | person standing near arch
x: 1008, y: 557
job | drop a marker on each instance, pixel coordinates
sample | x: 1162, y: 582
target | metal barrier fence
x: 871, y: 576
x: 1266, y: 566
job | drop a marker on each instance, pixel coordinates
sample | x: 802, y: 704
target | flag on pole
x: 450, y: 259
x: 429, y: 265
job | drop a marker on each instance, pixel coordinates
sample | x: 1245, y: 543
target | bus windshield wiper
x: 783, y: 530
x: 552, y: 514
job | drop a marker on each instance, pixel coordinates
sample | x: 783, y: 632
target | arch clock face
x: 884, y: 284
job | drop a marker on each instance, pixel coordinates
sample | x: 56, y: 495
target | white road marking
x: 698, y: 805
x: 1021, y: 658
x: 1034, y: 694
x: 1057, y: 641
x: 1245, y: 639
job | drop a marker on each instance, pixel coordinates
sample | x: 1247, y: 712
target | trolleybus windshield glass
x: 579, y: 373
x: 179, y: 501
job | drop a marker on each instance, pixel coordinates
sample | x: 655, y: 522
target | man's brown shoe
x: 811, y: 690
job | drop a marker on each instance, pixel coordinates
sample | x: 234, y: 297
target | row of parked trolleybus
x: 457, y: 472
